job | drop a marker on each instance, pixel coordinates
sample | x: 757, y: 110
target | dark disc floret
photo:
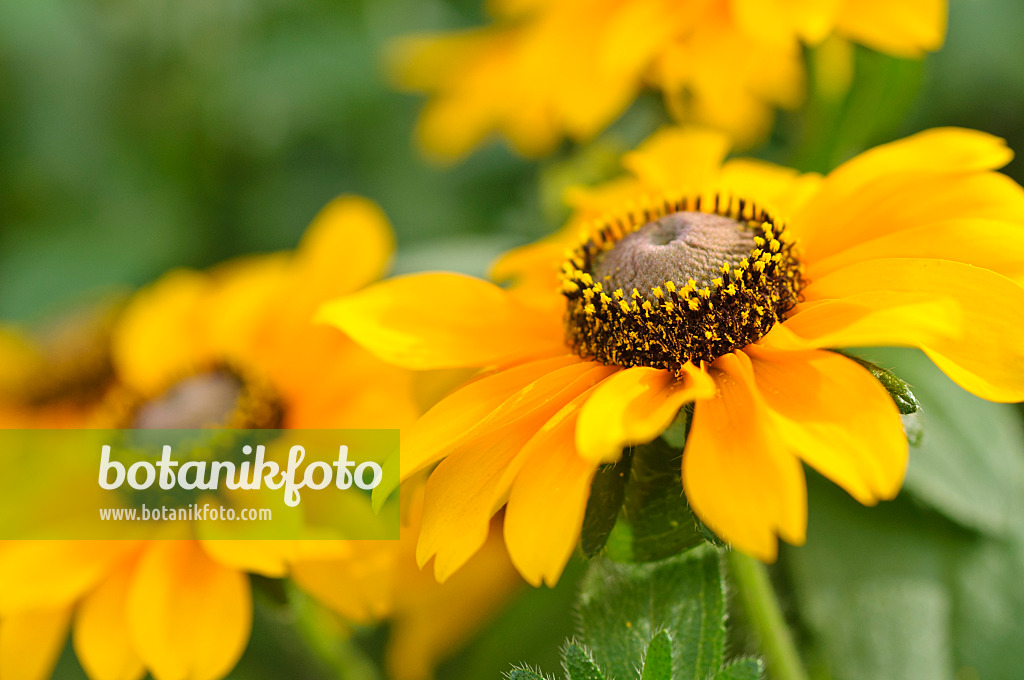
x: 679, y: 282
x: 220, y: 395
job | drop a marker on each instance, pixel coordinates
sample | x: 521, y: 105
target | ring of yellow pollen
x: 679, y: 282
x: 219, y: 397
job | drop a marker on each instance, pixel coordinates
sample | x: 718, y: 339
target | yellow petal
x: 859, y: 183
x: 657, y: 162
x: 916, y: 200
x: 443, y: 320
x: 965, y: 318
x: 904, y: 28
x: 532, y: 270
x: 635, y: 406
x: 347, y: 246
x: 833, y: 414
x: 455, y: 418
x: 737, y: 475
x: 47, y: 574
x: 101, y: 637
x: 189, y: 616
x: 469, y: 486
x: 989, y: 244
x: 31, y: 642
x: 264, y: 557
x: 359, y: 586
x: 777, y: 188
x: 548, y: 499
x: 148, y: 346
x: 786, y: 20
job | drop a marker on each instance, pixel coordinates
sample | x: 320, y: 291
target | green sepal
x: 655, y: 521
x: 676, y: 433
x: 709, y: 535
x: 579, y: 665
x: 897, y: 388
x: 607, y: 492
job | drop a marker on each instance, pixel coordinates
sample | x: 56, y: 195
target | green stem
x: 765, y: 615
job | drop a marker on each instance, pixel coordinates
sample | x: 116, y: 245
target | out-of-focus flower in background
x: 56, y: 374
x: 914, y: 243
x: 229, y: 347
x: 365, y: 581
x: 544, y: 71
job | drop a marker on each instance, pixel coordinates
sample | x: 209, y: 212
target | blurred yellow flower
x: 231, y: 347
x: 717, y: 282
x: 546, y: 70
x: 54, y: 375
x: 428, y: 620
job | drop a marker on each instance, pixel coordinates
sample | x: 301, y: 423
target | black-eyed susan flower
x: 724, y: 285
x: 546, y: 70
x: 54, y: 374
x: 230, y: 347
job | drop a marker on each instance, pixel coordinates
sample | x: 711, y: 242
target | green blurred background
x: 137, y: 136
x: 141, y: 135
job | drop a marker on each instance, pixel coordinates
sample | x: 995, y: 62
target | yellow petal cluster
x: 544, y: 71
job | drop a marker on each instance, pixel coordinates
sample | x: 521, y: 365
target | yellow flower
x: 234, y: 346
x: 544, y: 71
x: 718, y: 283
x: 54, y: 375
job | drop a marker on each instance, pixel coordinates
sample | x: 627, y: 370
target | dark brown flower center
x: 677, y: 247
x: 676, y: 284
x: 219, y: 397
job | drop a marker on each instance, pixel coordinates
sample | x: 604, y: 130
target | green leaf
x: 607, y: 492
x: 658, y: 662
x: 579, y: 665
x: 655, y: 521
x: 870, y: 586
x: 989, y: 605
x: 623, y: 605
x: 744, y: 669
